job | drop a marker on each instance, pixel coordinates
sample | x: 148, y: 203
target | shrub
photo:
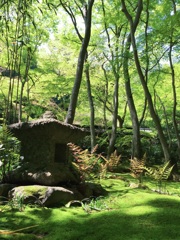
x: 9, y: 152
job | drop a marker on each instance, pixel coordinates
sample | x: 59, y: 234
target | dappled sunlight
x: 131, y: 213
x: 139, y: 210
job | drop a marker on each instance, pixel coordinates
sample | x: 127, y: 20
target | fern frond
x: 149, y: 170
x: 167, y: 172
x: 105, y: 159
x: 161, y: 172
x: 86, y: 162
x: 137, y: 167
x: 113, y: 161
x: 94, y: 149
x: 74, y: 148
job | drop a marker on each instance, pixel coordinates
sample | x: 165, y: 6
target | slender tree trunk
x: 105, y: 99
x: 79, y: 70
x: 147, y: 59
x: 174, y: 100
x: 165, y: 117
x: 114, y: 117
x: 136, y: 140
x: 20, y: 101
x: 133, y: 26
x: 91, y: 104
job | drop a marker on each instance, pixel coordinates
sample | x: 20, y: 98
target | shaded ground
x: 131, y: 214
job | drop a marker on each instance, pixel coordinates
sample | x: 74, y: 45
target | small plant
x: 90, y: 204
x: 17, y: 202
x: 137, y: 168
x: 160, y: 174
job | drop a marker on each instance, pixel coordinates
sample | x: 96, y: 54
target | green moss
x: 132, y: 213
x: 33, y: 189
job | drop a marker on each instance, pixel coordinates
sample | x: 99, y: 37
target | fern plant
x: 114, y: 161
x: 137, y: 167
x: 87, y: 162
x: 9, y: 152
x: 93, y: 165
x: 110, y: 164
x: 160, y: 174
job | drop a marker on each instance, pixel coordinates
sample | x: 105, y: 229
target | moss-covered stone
x: 42, y: 195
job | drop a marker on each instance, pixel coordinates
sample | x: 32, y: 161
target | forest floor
x: 126, y: 213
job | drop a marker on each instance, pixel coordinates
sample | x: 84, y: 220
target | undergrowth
x: 92, y: 165
x: 9, y: 152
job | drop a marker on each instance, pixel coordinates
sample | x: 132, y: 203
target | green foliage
x: 124, y: 142
x: 17, y: 202
x: 102, y: 141
x: 2, y: 106
x: 151, y: 146
x: 9, y: 152
x: 34, y: 111
x: 39, y: 41
x: 124, y: 138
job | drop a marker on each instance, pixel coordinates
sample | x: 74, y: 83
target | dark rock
x: 91, y: 189
x: 5, y: 188
x: 57, y: 196
x: 50, y: 175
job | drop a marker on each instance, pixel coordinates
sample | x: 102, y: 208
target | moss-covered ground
x: 127, y: 213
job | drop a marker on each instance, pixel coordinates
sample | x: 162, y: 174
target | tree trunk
x: 136, y: 140
x: 174, y: 100
x: 133, y: 26
x: 114, y: 117
x: 105, y: 95
x: 79, y: 70
x: 91, y: 104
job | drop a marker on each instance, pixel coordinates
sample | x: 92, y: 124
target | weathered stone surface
x: 57, y: 196
x: 43, y: 195
x: 5, y: 188
x: 45, y: 154
x: 46, y: 130
x: 51, y: 175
